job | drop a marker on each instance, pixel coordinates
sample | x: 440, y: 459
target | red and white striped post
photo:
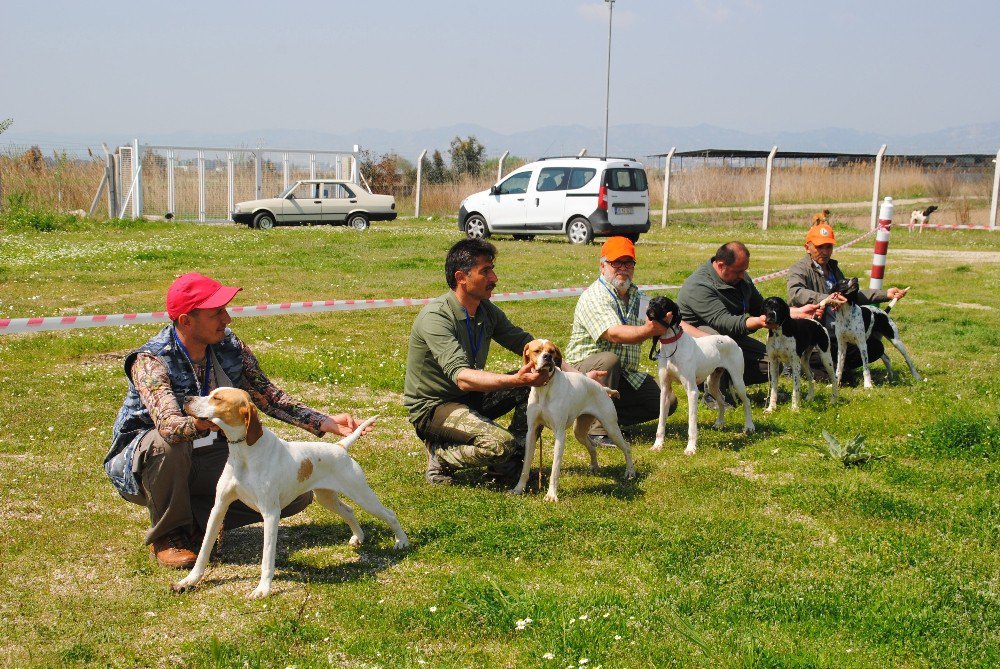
x: 881, y: 243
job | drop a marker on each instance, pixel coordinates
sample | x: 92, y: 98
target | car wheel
x: 358, y: 221
x: 475, y: 227
x: 263, y: 221
x: 524, y: 238
x: 579, y: 231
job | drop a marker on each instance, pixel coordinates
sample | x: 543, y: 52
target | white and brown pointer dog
x: 692, y: 360
x: 856, y: 323
x: 790, y: 342
x: 266, y: 473
x: 566, y: 400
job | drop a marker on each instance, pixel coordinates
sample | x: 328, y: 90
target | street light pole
x: 607, y: 98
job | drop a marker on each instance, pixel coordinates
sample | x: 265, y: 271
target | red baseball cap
x: 618, y: 247
x: 196, y: 291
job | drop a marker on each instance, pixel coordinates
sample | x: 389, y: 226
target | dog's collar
x: 242, y: 441
x: 671, y: 340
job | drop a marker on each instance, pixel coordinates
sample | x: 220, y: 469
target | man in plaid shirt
x: 608, y: 333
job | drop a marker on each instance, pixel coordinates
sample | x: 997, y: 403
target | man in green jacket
x: 720, y: 298
x: 452, y: 400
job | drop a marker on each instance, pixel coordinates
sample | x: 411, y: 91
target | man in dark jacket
x: 169, y: 462
x: 720, y: 298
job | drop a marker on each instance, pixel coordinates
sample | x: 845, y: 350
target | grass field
x: 757, y: 552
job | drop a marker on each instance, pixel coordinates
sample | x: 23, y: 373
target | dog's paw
x: 551, y: 497
x: 770, y: 409
x: 749, y: 427
x: 719, y: 424
x: 260, y: 591
x: 629, y: 474
x: 657, y: 445
x: 356, y: 541
x: 401, y: 544
x: 517, y: 490
x: 690, y: 450
x: 182, y: 586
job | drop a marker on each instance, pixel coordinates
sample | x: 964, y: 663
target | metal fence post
x: 875, y: 186
x: 996, y: 192
x: 258, y: 169
x: 420, y: 171
x: 232, y: 183
x: 767, y: 188
x: 137, y: 179
x: 666, y: 186
x: 112, y: 186
x: 171, y: 187
x: 201, y: 186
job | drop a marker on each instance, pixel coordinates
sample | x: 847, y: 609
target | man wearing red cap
x: 608, y: 332
x: 813, y: 278
x: 169, y: 462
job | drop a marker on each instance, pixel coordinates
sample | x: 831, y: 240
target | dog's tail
x: 347, y: 441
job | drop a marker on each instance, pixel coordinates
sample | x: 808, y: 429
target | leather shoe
x: 172, y: 551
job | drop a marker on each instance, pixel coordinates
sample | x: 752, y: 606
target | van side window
x: 625, y: 179
x: 580, y: 177
x: 553, y: 178
x: 515, y: 185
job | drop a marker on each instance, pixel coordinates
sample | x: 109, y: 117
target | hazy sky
x: 135, y: 68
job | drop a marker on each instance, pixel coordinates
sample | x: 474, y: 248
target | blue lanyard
x: 476, y: 344
x: 618, y: 303
x: 203, y: 388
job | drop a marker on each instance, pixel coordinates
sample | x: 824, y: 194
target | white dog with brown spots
x: 266, y: 473
x: 567, y: 399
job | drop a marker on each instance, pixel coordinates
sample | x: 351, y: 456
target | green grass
x: 757, y: 552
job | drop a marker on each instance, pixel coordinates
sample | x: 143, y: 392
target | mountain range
x: 635, y: 140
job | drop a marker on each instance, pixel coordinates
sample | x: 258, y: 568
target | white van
x: 580, y: 197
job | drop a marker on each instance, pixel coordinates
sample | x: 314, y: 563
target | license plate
x: 623, y: 210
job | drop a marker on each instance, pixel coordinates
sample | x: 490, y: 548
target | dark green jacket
x: 705, y: 299
x: 440, y: 348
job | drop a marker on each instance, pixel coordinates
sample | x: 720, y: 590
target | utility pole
x: 607, y: 98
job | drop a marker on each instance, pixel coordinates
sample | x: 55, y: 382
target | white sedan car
x: 315, y: 201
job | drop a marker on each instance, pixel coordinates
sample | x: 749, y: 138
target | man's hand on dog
x: 528, y: 376
x: 202, y: 424
x: 342, y: 424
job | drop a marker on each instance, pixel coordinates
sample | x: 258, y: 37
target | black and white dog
x: 790, y: 342
x: 856, y: 323
x: 692, y: 360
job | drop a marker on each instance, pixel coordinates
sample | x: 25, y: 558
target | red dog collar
x: 672, y: 339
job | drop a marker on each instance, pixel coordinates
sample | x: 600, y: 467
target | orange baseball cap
x: 821, y: 234
x: 618, y: 247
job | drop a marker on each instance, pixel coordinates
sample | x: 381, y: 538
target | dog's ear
x: 524, y: 354
x: 557, y: 357
x: 252, y: 422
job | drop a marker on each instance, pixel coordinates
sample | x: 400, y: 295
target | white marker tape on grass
x: 43, y: 324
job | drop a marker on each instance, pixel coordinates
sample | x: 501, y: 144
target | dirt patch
x: 746, y: 471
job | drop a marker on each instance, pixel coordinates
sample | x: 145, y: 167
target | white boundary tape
x: 944, y: 226
x: 48, y: 323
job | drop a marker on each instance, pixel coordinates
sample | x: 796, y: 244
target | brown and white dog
x: 266, y: 473
x: 567, y: 399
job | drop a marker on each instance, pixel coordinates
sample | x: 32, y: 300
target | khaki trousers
x: 177, y: 486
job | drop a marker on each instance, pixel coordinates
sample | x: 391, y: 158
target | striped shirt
x: 598, y: 310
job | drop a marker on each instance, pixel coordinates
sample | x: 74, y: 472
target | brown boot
x: 172, y: 551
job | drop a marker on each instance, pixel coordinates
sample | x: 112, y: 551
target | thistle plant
x: 852, y: 453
